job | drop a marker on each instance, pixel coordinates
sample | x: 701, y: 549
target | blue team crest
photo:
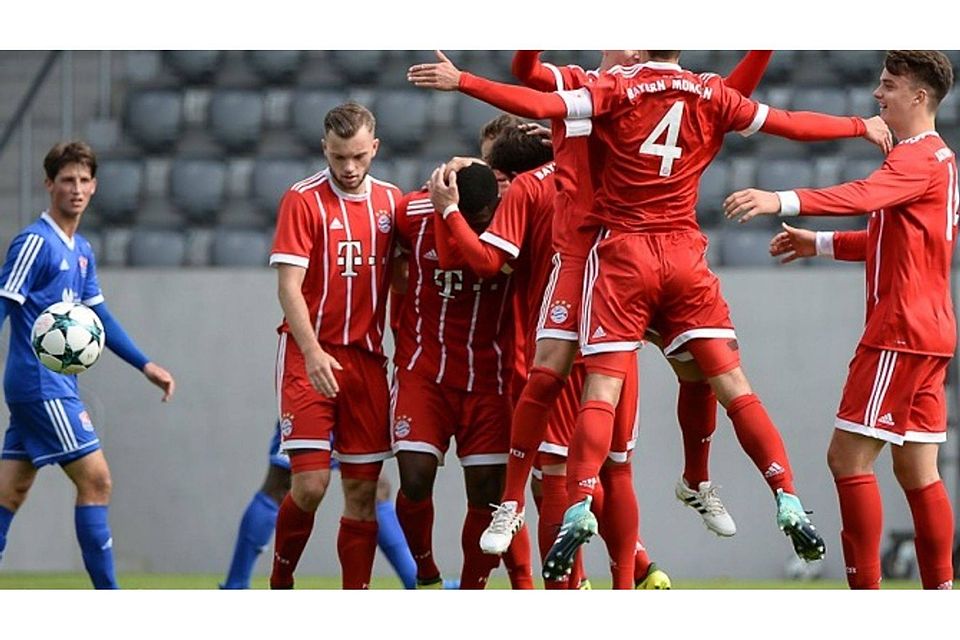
x: 85, y: 421
x: 82, y: 261
x: 384, y: 223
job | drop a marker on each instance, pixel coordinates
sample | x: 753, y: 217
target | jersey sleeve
x: 91, y: 294
x: 749, y: 71
x: 296, y: 230
x: 520, y: 101
x: 402, y: 221
x: 483, y: 259
x: 528, y: 69
x: 850, y: 246
x: 737, y: 112
x: 508, y: 227
x: 900, y: 179
x: 23, y: 268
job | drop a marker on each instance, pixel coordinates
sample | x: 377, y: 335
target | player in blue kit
x: 50, y: 262
x: 260, y: 519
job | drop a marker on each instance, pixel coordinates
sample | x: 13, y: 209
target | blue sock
x: 6, y: 517
x: 256, y: 529
x: 391, y: 541
x: 96, y: 545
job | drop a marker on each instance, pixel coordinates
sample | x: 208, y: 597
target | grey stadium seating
x: 150, y: 247
x: 276, y: 67
x: 240, y: 247
x: 193, y: 66
x: 197, y: 187
x: 745, y: 247
x: 119, y: 189
x: 236, y: 118
x: 359, y: 67
x: 271, y: 177
x: 402, y: 118
x: 307, y: 111
x: 154, y: 118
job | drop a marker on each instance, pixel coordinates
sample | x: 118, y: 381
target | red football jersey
x: 522, y: 228
x: 343, y: 241
x: 661, y: 126
x: 454, y: 327
x: 910, y: 240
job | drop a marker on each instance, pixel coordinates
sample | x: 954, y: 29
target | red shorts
x: 357, y: 417
x: 634, y: 281
x: 563, y: 418
x: 895, y: 396
x: 425, y: 415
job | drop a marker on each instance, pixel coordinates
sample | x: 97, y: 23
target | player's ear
x: 93, y: 186
x: 376, y: 145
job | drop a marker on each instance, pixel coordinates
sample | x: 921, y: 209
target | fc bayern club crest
x: 401, y: 427
x: 559, y: 312
x: 286, y: 424
x: 384, y: 223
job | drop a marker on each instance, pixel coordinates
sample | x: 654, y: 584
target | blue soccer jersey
x: 43, y: 266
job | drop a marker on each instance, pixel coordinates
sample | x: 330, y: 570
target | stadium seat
x: 194, y: 67
x: 275, y: 67
x: 860, y: 101
x: 236, y: 118
x: 119, y: 189
x: 308, y: 110
x: 714, y: 187
x: 240, y: 248
x: 150, y: 247
x: 858, y: 169
x: 777, y: 175
x: 197, y: 187
x: 271, y: 177
x: 154, y: 118
x: 743, y: 247
x: 858, y: 66
x: 832, y: 101
x: 402, y: 118
x: 359, y: 67
x: 471, y: 116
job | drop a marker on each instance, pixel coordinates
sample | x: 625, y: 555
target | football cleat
x: 793, y: 521
x: 579, y: 525
x: 654, y: 579
x: 708, y: 504
x: 496, y: 538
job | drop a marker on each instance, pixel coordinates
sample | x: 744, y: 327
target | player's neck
x: 915, y: 127
x: 67, y: 224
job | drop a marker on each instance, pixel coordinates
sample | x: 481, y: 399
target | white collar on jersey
x: 67, y: 240
x: 343, y: 194
x: 919, y: 136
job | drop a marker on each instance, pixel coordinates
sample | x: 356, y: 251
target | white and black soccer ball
x: 68, y: 337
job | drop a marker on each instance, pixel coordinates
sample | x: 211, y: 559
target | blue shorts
x: 56, y: 431
x: 280, y: 458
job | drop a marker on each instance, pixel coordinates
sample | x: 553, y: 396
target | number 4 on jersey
x: 669, y: 151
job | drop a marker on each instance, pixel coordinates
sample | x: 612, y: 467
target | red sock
x: 416, y: 520
x: 356, y: 546
x: 517, y: 561
x: 861, y: 515
x: 588, y: 448
x: 620, y: 522
x: 530, y: 418
x: 477, y: 565
x: 697, y: 415
x: 293, y: 530
x: 933, y: 526
x: 641, y: 562
x: 554, y: 503
x: 761, y: 441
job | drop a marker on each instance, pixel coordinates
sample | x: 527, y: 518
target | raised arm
x: 521, y: 101
x: 749, y: 71
x: 532, y: 72
x: 793, y: 243
x: 811, y: 126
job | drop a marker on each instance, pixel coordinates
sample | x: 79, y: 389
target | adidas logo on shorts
x: 886, y: 419
x: 599, y: 333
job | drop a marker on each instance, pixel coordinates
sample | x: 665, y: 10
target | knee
x: 602, y: 388
x: 416, y: 485
x: 359, y: 499
x: 843, y: 465
x: 308, y: 491
x: 912, y: 476
x: 95, y: 488
x: 13, y: 496
x: 730, y: 385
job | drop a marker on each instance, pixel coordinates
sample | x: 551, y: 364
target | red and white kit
x: 343, y: 241
x: 454, y: 350
x: 895, y: 388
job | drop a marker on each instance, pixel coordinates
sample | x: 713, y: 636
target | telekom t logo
x: 349, y: 255
x: 449, y: 282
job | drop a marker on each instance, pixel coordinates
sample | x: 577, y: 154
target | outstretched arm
x: 532, y: 72
x: 749, y: 71
x: 120, y: 342
x: 793, y: 243
x: 811, y: 126
x: 521, y: 101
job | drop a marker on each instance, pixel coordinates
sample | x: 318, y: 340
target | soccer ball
x: 67, y: 337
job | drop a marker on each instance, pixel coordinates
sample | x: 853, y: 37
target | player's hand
x: 443, y: 75
x: 793, y: 243
x: 459, y: 162
x: 878, y: 133
x: 537, y: 129
x: 320, y: 366
x: 443, y: 189
x: 746, y: 204
x: 161, y: 378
